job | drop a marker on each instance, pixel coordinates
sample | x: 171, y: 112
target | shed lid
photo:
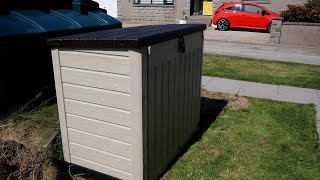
x: 133, y: 37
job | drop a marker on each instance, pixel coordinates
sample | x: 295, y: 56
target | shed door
x: 173, y: 100
x: 110, y: 6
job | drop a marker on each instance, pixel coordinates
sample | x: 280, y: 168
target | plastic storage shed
x: 26, y: 66
x: 128, y: 99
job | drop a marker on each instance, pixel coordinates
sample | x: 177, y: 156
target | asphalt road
x: 267, y: 52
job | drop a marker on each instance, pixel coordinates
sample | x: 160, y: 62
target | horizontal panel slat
x: 110, y: 115
x: 101, y: 168
x: 101, y: 157
x: 107, y: 52
x: 99, y: 128
x: 99, y: 142
x: 98, y: 62
x: 97, y: 96
x: 95, y: 79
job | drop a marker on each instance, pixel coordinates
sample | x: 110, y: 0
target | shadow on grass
x: 74, y: 172
x: 67, y: 171
x: 210, y: 110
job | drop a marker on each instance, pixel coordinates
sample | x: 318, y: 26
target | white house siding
x: 110, y: 6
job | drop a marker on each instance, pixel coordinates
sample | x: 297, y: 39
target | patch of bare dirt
x: 235, y: 102
x: 264, y: 141
x: 296, y: 148
x: 20, y: 158
x: 215, y: 152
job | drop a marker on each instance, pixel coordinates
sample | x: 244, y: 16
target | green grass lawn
x: 263, y: 71
x: 268, y: 140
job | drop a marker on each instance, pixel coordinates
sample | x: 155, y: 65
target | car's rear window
x: 236, y: 7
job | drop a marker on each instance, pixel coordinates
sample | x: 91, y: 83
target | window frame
x: 138, y: 3
x: 233, y: 6
x: 258, y: 1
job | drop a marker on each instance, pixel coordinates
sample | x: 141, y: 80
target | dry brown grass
x: 21, y: 133
x: 49, y: 172
x: 235, y: 102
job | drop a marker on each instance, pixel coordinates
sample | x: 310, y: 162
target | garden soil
x: 22, y: 160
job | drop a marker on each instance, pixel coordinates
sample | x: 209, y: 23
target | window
x: 235, y: 7
x: 165, y: 2
x: 265, y: 12
x: 252, y: 9
x: 259, y: 1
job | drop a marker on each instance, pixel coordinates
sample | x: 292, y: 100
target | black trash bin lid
x: 133, y: 37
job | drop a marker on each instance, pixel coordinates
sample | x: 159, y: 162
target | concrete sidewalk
x: 266, y: 91
x: 267, y: 52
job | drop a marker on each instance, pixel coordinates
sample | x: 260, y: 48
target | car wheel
x: 223, y: 24
x: 269, y: 28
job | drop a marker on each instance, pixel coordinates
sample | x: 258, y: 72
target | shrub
x: 309, y: 12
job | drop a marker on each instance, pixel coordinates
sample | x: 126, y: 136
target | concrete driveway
x: 240, y: 36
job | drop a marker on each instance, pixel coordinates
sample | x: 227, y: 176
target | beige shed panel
x: 96, y: 116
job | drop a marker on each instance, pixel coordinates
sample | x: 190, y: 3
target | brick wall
x: 295, y: 33
x: 149, y: 14
x: 275, y: 33
x: 119, y: 8
x: 186, y: 8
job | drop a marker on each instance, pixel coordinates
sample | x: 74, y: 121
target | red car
x: 243, y: 15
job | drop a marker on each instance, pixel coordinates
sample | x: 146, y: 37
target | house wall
x: 124, y: 9
x: 281, y: 5
x: 151, y: 14
x: 186, y: 8
x: 179, y: 7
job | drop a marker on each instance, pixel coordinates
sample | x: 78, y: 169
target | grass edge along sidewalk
x: 262, y: 71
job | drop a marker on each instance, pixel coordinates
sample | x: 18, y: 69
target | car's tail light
x: 216, y: 12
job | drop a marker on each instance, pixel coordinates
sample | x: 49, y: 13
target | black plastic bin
x: 25, y: 64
